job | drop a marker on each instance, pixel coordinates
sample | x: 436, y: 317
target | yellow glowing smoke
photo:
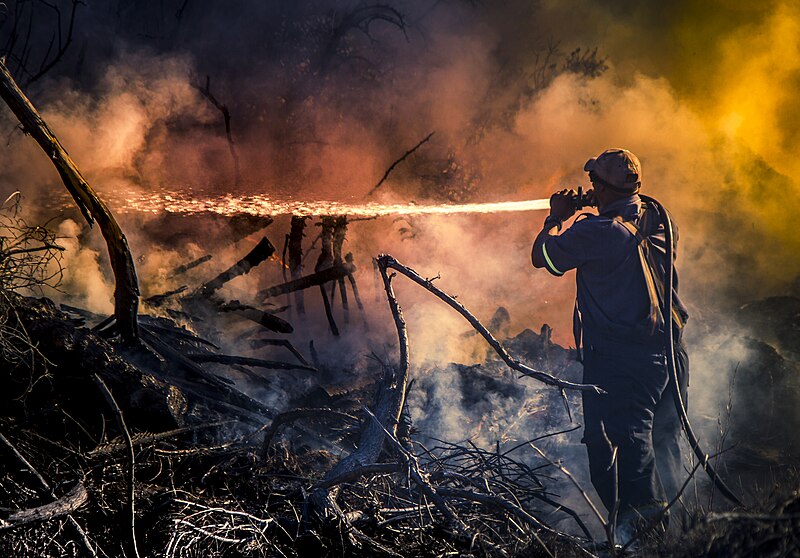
x: 757, y: 84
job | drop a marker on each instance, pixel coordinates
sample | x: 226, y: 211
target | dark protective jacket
x: 619, y: 256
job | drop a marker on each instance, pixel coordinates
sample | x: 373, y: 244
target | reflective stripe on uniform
x: 550, y: 267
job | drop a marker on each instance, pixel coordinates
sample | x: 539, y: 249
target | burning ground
x: 202, y: 125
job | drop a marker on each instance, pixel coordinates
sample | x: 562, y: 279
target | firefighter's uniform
x: 619, y: 256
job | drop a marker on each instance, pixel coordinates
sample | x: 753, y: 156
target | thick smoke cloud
x: 705, y: 101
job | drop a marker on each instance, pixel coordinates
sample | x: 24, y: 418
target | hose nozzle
x: 582, y: 199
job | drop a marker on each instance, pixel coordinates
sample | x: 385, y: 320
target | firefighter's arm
x: 538, y: 256
x: 561, y: 209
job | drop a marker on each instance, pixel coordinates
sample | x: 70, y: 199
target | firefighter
x: 619, y: 256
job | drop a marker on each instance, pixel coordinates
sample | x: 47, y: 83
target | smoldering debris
x: 192, y: 438
x: 217, y: 471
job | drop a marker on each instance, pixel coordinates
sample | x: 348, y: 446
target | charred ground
x: 176, y: 432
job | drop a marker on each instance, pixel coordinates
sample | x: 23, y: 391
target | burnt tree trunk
x: 126, y: 290
x: 339, y: 234
x: 326, y: 261
x: 296, y: 258
x: 262, y: 251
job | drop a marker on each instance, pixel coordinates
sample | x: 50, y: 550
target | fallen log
x: 326, y: 275
x: 126, y: 289
x: 65, y: 505
x: 262, y: 251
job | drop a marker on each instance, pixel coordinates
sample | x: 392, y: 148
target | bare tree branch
x: 398, y: 161
x: 126, y: 292
x: 386, y: 261
x: 205, y: 91
x: 62, y: 45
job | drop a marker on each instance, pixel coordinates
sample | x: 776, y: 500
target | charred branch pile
x: 108, y: 457
x: 142, y: 448
x: 112, y: 450
x: 147, y: 434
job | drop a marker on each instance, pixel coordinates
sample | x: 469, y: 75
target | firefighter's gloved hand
x: 561, y: 206
x: 590, y: 198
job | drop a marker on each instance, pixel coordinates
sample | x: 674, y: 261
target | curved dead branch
x: 69, y: 503
x: 386, y: 261
x: 389, y: 405
x: 126, y: 290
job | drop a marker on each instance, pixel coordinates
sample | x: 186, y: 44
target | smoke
x: 323, y: 98
x: 83, y: 281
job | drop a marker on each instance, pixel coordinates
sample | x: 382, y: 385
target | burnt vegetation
x: 145, y: 433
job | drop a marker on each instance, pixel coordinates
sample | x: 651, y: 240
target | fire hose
x: 666, y: 310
